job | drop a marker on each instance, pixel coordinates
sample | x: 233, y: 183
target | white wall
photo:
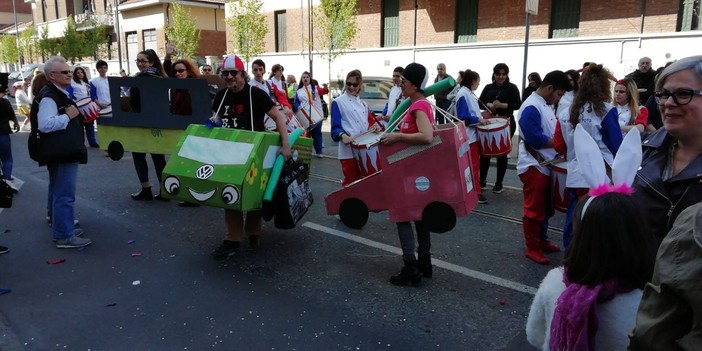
x: 619, y: 54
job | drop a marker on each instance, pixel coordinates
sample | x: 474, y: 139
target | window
x: 689, y: 15
x: 149, y: 36
x: 391, y: 23
x: 281, y: 44
x: 466, y: 21
x: 565, y: 19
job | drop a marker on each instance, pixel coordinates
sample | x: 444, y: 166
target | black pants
x: 501, y: 161
x: 407, y: 242
x: 142, y: 168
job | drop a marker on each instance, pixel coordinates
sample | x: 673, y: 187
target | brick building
x: 477, y: 34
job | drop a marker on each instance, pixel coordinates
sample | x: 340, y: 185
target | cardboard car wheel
x: 353, y: 213
x: 439, y: 217
x: 115, y: 150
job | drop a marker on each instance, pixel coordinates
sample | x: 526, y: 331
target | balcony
x: 89, y: 19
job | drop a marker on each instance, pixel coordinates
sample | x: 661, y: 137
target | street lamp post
x: 119, y: 36
x: 19, y: 57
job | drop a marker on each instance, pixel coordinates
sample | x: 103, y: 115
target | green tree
x: 27, y: 44
x: 46, y: 46
x: 94, y: 39
x: 334, y: 21
x: 9, y: 52
x: 249, y: 26
x: 72, y: 46
x: 182, y: 32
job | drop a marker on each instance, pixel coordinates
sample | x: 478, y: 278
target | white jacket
x: 616, y: 316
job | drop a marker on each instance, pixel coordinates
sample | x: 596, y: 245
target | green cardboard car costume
x: 223, y: 167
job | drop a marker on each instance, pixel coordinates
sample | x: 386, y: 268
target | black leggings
x: 142, y: 168
x: 501, y: 161
x: 404, y: 230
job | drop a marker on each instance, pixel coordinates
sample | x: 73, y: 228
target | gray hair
x: 693, y: 63
x: 51, y: 64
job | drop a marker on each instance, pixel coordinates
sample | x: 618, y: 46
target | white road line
x: 437, y: 263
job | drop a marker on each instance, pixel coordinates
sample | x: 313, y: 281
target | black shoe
x: 144, y: 194
x: 227, y: 247
x: 497, y: 189
x: 483, y: 184
x: 409, y: 274
x: 482, y: 199
x: 253, y: 243
x: 97, y: 146
x: 4, y: 250
x: 424, y: 265
x: 187, y: 204
x: 161, y: 198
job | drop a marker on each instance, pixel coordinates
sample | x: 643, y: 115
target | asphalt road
x: 320, y: 286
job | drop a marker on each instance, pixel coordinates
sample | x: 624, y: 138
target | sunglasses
x: 179, y: 70
x: 207, y: 69
x: 354, y: 85
x: 227, y: 73
x: 63, y: 72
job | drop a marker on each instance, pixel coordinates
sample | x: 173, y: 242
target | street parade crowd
x: 628, y: 150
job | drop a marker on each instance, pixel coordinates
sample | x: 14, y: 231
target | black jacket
x: 663, y: 201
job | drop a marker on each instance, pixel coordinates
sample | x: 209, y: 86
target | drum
x: 106, y: 111
x: 308, y: 116
x: 365, y: 151
x: 269, y: 123
x: 494, y: 138
x: 559, y: 193
x: 88, y: 109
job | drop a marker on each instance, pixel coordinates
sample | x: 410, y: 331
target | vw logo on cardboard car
x: 204, y: 172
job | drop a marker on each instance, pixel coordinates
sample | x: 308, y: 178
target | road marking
x: 436, y: 262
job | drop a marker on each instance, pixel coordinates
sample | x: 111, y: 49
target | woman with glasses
x: 350, y: 116
x: 670, y: 177
x: 306, y: 96
x: 626, y: 100
x: 181, y: 102
x: 149, y: 65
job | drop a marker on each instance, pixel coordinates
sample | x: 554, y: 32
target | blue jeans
x: 62, y: 196
x: 568, y: 224
x: 6, y: 156
x: 90, y: 133
x: 317, y: 140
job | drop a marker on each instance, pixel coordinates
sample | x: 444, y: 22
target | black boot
x: 144, y: 194
x: 424, y: 264
x: 409, y: 274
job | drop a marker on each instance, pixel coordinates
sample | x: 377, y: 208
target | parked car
x: 375, y: 92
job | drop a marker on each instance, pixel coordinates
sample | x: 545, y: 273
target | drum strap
x: 251, y: 106
x: 535, y: 154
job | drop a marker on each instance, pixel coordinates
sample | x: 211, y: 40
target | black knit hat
x: 417, y: 75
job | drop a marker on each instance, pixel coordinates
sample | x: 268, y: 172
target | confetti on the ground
x: 503, y: 302
x: 136, y: 282
x: 136, y: 254
x: 57, y: 261
x: 131, y: 242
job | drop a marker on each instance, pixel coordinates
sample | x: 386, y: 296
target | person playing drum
x: 537, y: 125
x: 80, y: 93
x: 468, y: 110
x: 350, y: 116
x: 417, y: 128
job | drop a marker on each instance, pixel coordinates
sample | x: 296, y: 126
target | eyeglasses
x: 179, y: 70
x: 141, y: 61
x: 402, y: 81
x: 227, y: 73
x: 680, y: 96
x: 65, y: 73
x: 207, y: 69
x: 354, y: 85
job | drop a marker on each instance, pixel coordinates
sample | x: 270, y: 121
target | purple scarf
x: 574, y: 324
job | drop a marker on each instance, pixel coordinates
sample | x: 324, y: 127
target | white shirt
x: 548, y: 124
x: 80, y: 90
x: 354, y: 120
x: 102, y: 89
x: 48, y: 117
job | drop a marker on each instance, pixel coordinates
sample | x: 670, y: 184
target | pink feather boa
x: 609, y: 188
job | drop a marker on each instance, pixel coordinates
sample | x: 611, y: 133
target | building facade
x: 478, y: 34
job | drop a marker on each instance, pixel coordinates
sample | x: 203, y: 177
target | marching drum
x: 309, y: 117
x: 106, y: 111
x: 560, y: 194
x: 365, y: 151
x: 494, y: 138
x: 88, y: 109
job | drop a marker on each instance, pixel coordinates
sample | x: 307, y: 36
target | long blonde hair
x: 632, y: 91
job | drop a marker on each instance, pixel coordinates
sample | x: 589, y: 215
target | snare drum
x: 365, y: 151
x: 309, y: 117
x: 494, y: 138
x: 560, y: 194
x: 88, y: 109
x: 269, y: 123
x: 106, y: 111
